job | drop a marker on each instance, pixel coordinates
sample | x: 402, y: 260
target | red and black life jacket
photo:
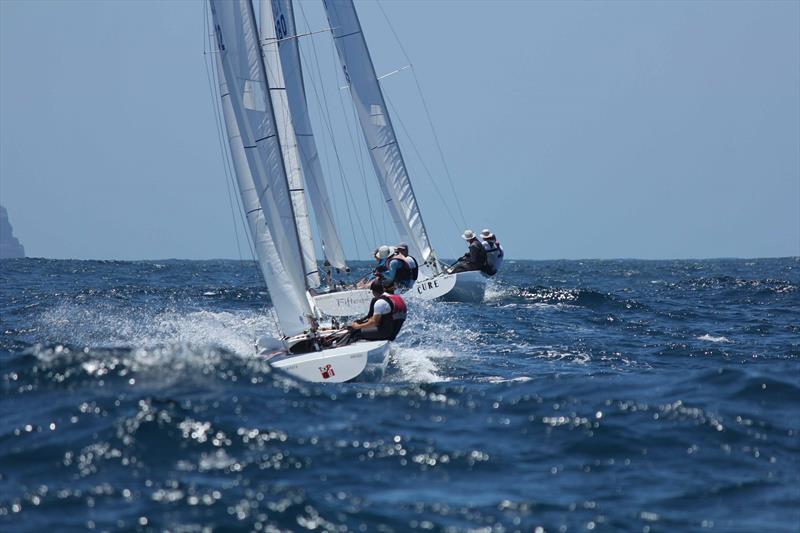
x: 391, y: 323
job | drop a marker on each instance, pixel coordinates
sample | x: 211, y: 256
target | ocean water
x: 582, y: 395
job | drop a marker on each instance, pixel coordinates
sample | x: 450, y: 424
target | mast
x: 286, y: 132
x: 251, y: 22
x: 258, y: 161
x: 278, y: 22
x: 377, y: 128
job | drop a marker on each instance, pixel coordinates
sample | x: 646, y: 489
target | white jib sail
x: 279, y: 15
x: 258, y: 161
x: 377, y: 126
x: 291, y: 153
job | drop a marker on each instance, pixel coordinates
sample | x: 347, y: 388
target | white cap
x: 486, y: 234
x: 383, y: 252
x: 468, y: 235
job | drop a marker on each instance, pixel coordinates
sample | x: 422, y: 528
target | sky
x: 571, y: 129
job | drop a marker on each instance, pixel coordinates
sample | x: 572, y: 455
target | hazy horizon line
x: 508, y: 260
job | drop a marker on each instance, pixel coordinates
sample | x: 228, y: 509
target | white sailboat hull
x: 354, y: 302
x: 336, y: 365
x: 468, y: 287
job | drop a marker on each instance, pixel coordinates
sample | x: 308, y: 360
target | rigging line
x: 360, y: 150
x: 320, y: 153
x: 305, y: 162
x: 227, y: 167
x: 427, y: 114
x: 216, y: 98
x: 383, y: 223
x: 213, y: 93
x: 325, y: 114
x: 362, y: 166
x: 288, y: 145
x: 357, y: 153
x: 356, y: 150
x: 271, y: 118
x: 305, y: 165
x: 422, y: 162
x: 226, y: 156
x: 327, y: 121
x: 268, y: 40
x: 353, y: 146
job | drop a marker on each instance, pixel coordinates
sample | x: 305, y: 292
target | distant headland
x: 10, y: 246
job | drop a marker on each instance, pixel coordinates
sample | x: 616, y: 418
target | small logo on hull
x: 327, y: 371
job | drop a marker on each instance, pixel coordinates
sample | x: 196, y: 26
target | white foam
x: 495, y: 291
x: 554, y: 307
x: 168, y: 336
x: 234, y: 332
x: 711, y: 338
x: 113, y: 328
x: 418, y: 365
x: 499, y: 379
x: 555, y: 353
x: 575, y: 357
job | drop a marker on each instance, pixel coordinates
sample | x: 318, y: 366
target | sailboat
x: 274, y: 202
x: 390, y: 169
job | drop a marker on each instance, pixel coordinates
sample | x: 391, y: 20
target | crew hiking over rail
x: 395, y: 268
x: 486, y: 256
x: 387, y: 313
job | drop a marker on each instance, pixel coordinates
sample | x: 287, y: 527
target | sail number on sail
x: 280, y: 22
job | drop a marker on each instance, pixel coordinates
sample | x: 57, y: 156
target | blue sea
x: 581, y: 396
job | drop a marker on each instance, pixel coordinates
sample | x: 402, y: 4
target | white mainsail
x: 258, y: 161
x: 377, y: 126
x: 291, y: 153
x: 279, y: 29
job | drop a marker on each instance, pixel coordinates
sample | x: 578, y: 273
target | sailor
x: 381, y: 255
x: 401, y: 250
x: 399, y: 272
x: 494, y: 252
x: 387, y: 312
x: 474, y: 259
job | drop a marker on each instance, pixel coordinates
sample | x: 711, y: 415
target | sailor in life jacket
x: 381, y: 255
x: 401, y: 250
x: 494, y: 252
x: 474, y: 259
x: 387, y: 312
x: 400, y: 271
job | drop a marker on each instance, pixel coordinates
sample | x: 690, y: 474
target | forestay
x: 377, y: 126
x: 258, y: 161
x: 279, y: 30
